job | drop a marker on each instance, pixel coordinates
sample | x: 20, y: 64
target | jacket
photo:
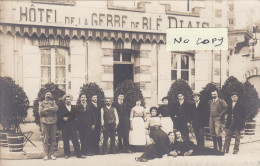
x: 182, y: 114
x: 47, y: 111
x: 239, y: 115
x: 199, y: 115
x: 86, y: 118
x: 64, y: 112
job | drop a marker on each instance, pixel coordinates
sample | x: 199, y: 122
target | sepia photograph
x: 130, y: 82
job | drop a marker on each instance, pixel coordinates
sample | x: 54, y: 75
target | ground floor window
x: 180, y: 66
x: 54, y: 63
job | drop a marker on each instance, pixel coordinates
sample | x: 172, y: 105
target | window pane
x: 185, y: 75
x: 126, y: 56
x: 45, y: 75
x: 116, y: 56
x: 60, y: 56
x: 60, y: 75
x: 174, y: 61
x: 184, y: 62
x: 45, y: 57
x: 174, y: 75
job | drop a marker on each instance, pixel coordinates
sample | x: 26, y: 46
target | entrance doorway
x: 122, y: 72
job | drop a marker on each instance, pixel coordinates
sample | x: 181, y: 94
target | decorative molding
x: 195, y: 11
x: 140, y: 7
x: 77, y: 33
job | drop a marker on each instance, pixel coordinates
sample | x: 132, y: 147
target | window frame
x: 179, y: 67
x: 53, y: 66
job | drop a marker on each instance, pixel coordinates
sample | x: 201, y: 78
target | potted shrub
x: 251, y: 103
x: 180, y: 86
x: 131, y: 92
x: 91, y: 89
x: 57, y: 95
x: 14, y: 105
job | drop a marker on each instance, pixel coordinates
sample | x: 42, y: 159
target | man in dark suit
x: 235, y: 122
x: 124, y: 123
x: 85, y: 124
x: 66, y: 122
x: 182, y: 116
x: 199, y: 119
x: 95, y: 135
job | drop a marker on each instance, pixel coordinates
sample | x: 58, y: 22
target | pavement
x: 249, y: 154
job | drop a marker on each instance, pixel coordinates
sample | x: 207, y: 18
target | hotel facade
x: 71, y: 42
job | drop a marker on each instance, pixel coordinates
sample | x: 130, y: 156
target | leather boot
x: 215, y: 143
x: 219, y: 143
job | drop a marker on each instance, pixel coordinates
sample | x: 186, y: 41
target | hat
x: 234, y: 93
x: 46, y: 91
x: 67, y: 95
x: 196, y: 94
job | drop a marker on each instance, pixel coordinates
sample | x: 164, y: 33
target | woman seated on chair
x: 180, y: 148
x: 159, y: 139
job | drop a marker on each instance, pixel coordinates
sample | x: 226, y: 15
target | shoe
x: 66, y: 157
x: 129, y: 151
x: 53, y: 157
x: 113, y: 152
x: 235, y: 152
x: 45, y: 158
x: 141, y: 159
x: 90, y: 154
x: 222, y: 151
x: 81, y: 156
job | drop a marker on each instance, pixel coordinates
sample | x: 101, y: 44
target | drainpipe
x: 157, y: 70
x: 86, y: 62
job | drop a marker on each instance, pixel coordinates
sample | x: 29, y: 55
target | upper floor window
x: 180, y: 65
x: 61, y: 2
x: 54, y: 62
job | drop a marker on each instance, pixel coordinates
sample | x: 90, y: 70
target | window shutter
x: 31, y: 71
x: 77, y: 70
x: 164, y: 73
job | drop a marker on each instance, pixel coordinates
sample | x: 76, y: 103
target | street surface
x: 249, y: 155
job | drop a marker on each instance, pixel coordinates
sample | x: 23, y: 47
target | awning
x: 63, y: 32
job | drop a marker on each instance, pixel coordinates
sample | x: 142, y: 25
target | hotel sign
x: 83, y: 17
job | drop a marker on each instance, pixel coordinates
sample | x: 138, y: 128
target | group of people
x: 164, y: 131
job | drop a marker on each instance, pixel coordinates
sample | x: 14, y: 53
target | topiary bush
x: 57, y: 94
x: 91, y: 89
x: 180, y: 86
x: 232, y: 85
x: 131, y: 92
x: 251, y: 101
x: 205, y: 93
x: 14, y: 104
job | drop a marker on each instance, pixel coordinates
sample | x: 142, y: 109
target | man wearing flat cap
x: 235, y: 122
x: 67, y: 114
x: 198, y: 119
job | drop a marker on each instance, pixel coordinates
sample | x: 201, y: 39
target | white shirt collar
x: 68, y: 107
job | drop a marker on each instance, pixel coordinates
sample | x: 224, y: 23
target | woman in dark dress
x: 188, y: 148
x: 160, y: 140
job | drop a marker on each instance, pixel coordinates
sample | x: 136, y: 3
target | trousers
x: 49, y: 138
